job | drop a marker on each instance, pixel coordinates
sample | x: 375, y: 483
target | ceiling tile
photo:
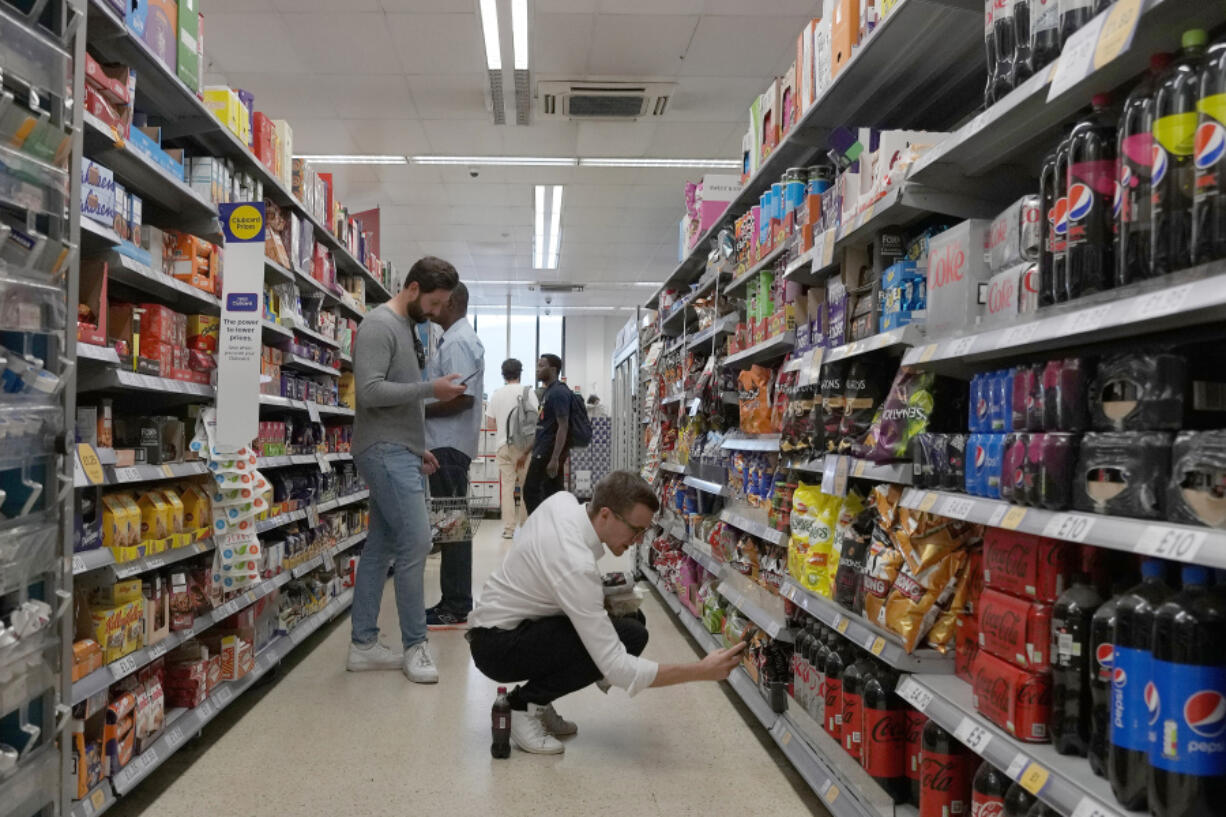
x: 283, y: 96
x: 492, y: 216
x: 392, y: 136
x: 714, y: 99
x: 479, y: 193
x: 252, y: 42
x: 370, y: 96
x: 321, y: 5
x: 633, y: 45
x: 599, y: 196
x: 692, y: 140
x: 437, y: 43
x: 569, y: 6
x: 528, y: 176
x: 742, y: 47
x: 561, y: 44
x: 243, y: 6
x: 462, y: 138
x: 591, y: 216
x: 343, y: 42
x: 800, y: 8
x: 620, y: 139
x: 416, y: 214
x: 456, y: 96
x: 312, y: 135
x: 650, y: 6
x: 547, y: 138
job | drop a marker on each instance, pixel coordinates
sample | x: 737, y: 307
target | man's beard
x: 415, y: 312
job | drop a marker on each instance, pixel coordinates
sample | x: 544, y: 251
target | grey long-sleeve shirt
x: 388, y: 382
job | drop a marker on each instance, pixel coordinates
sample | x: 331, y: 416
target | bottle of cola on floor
x: 1209, y: 200
x: 1018, y: 801
x: 1174, y: 175
x: 1188, y: 761
x: 988, y: 791
x: 500, y: 747
x: 884, y: 747
x: 1134, y: 222
x: 1073, y: 663
x: 1092, y: 176
x: 946, y: 767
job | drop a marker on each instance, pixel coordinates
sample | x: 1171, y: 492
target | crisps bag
x: 917, y: 599
x: 754, y: 399
x: 917, y: 402
x: 850, y: 508
x: 852, y: 558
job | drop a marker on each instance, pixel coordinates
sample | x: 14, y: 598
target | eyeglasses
x: 635, y: 529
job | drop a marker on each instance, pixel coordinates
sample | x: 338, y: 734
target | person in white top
x: 512, y: 459
x: 541, y: 618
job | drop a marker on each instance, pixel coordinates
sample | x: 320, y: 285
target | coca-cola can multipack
x: 1024, y: 564
x: 1015, y: 629
x: 1015, y: 699
x: 1014, y: 234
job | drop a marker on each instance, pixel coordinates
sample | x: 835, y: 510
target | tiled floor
x: 319, y: 740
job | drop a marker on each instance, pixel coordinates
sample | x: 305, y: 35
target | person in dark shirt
x: 552, y: 446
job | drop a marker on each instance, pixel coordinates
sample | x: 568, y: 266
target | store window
x: 530, y: 336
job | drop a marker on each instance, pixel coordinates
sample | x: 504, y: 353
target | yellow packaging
x: 121, y: 592
x: 346, y: 390
x: 177, y: 511
x: 133, y: 511
x: 115, y: 532
x: 197, y: 513
x: 155, y: 518
x: 224, y: 104
x: 118, y: 628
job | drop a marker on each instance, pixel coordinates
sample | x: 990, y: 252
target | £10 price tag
x: 974, y: 736
x: 1071, y: 527
x: 1164, y: 542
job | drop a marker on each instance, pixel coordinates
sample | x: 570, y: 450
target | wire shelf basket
x: 454, y: 518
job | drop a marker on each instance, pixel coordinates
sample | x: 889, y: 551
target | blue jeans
x: 399, y: 532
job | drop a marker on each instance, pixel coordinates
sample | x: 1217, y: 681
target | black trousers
x: 548, y: 655
x: 538, y: 485
x: 456, y: 570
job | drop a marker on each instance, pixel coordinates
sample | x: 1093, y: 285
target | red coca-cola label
x: 987, y: 805
x: 945, y: 785
x: 1026, y: 565
x: 884, y: 748
x: 947, y: 267
x: 915, y: 721
x: 1016, y: 700
x: 834, y: 708
x: 1002, y: 295
x: 966, y: 645
x: 1017, y: 630
x: 852, y: 724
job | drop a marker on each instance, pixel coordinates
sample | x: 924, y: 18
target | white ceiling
x: 408, y: 77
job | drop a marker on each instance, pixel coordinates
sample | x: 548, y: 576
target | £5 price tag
x: 973, y: 735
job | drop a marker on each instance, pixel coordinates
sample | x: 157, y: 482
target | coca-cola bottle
x: 915, y: 731
x: 1073, y: 662
x: 1018, y: 801
x: 988, y: 791
x: 884, y: 743
x: 946, y: 767
x: 500, y: 714
x: 819, y: 652
x: 836, y: 662
x: 853, y: 706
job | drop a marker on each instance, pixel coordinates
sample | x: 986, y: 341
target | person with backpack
x: 561, y: 425
x: 512, y: 412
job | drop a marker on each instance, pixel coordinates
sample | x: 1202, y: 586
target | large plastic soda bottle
x: 1102, y: 651
x: 1209, y: 200
x: 1044, y: 33
x: 1188, y: 759
x: 1059, y: 244
x: 820, y: 652
x: 1018, y: 801
x: 915, y: 730
x: 989, y: 45
x: 1073, y: 15
x: 1023, y: 14
x: 853, y: 706
x: 836, y: 662
x: 1091, y: 188
x: 1072, y: 664
x: 988, y: 791
x: 1006, y: 46
x: 1135, y: 151
x: 1047, y: 220
x: 500, y: 747
x: 800, y: 668
x: 884, y: 743
x: 1174, y: 176
x: 946, y: 768
x: 1132, y: 689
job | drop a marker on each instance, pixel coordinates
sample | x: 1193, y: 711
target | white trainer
x: 419, y: 664
x: 555, y: 724
x: 372, y: 657
x: 529, y: 734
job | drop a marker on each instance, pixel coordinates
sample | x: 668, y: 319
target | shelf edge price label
x: 123, y: 667
x: 1089, y: 807
x: 914, y: 694
x: 1161, y: 302
x: 78, y: 564
x: 98, y: 798
x: 928, y: 501
x: 1071, y: 527
x: 973, y: 735
x: 957, y: 507
x: 1170, y: 543
x: 877, y: 646
x: 930, y: 351
x: 1076, y: 58
x: 1034, y: 778
x: 1013, y: 518
x: 129, y: 474
x: 90, y: 464
x: 842, y: 625
x: 1117, y: 31
x: 312, y: 411
x: 962, y: 346
x: 830, y: 792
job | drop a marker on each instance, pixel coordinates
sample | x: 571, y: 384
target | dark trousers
x: 538, y: 485
x: 456, y: 571
x: 548, y: 654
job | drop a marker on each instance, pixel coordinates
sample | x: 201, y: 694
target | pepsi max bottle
x: 1133, y: 194
x: 1174, y: 145
x: 989, y: 45
x: 1134, y: 702
x: 1022, y: 69
x: 1091, y: 189
x: 1209, y: 200
x: 1047, y: 219
x: 1188, y: 759
x: 1073, y: 15
x: 1059, y: 244
x: 1044, y: 33
x: 1006, y: 47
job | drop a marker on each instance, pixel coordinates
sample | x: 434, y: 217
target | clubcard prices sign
x: 242, y: 307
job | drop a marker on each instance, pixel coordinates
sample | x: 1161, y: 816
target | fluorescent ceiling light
x: 510, y: 161
x: 555, y: 226
x: 711, y: 163
x: 538, y: 235
x: 489, y: 27
x: 519, y: 30
x: 351, y: 159
x: 651, y: 284
x: 541, y: 259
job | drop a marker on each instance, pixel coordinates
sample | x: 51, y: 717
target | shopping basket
x: 453, y: 518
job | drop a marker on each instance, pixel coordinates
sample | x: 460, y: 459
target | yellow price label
x: 1034, y: 778
x: 928, y: 501
x: 861, y: 467
x: 90, y: 464
x: 930, y: 351
x: 832, y: 793
x: 786, y: 739
x: 98, y: 798
x: 878, y: 646
x: 1013, y: 518
x: 1117, y: 31
x: 842, y: 628
x: 1052, y: 73
x: 167, y: 471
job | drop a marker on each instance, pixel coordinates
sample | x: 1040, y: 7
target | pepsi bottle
x: 1209, y: 199
x: 1091, y: 189
x: 989, y: 47
x: 884, y: 747
x: 1006, y: 47
x: 1102, y: 630
x: 1072, y: 664
x: 1022, y: 12
x: 1073, y: 15
x: 1133, y: 701
x: 1188, y: 759
x: 1059, y: 244
x: 1047, y: 220
x: 1018, y: 801
x: 988, y: 791
x: 1174, y: 177
x: 1134, y: 223
x: 1044, y: 33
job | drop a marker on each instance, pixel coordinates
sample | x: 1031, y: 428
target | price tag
x: 1166, y: 542
x: 974, y: 736
x: 329, y: 565
x: 962, y: 346
x: 1077, y: 58
x: 87, y: 458
x: 312, y: 411
x: 1087, y: 807
x: 861, y: 467
x: 868, y: 641
x: 167, y: 471
x: 124, y: 666
x: 930, y: 351
x: 174, y: 738
x: 928, y: 501
x: 877, y: 646
x: 297, y: 635
x: 159, y: 649
x: 842, y: 625
x: 842, y: 466
x: 1117, y: 31
x: 1071, y: 527
x: 831, y: 793
x: 1161, y: 302
x: 98, y: 798
x: 78, y: 564
x: 1034, y: 778
x: 997, y: 515
x: 695, y: 406
x: 914, y: 694
x: 957, y: 507
x: 312, y: 515
x: 1020, y: 335
x: 129, y: 474
x: 1015, y: 768
x: 205, y: 710
x: 1013, y: 518
x: 829, y: 466
x: 828, y: 242
x: 1087, y: 320
x: 224, y: 695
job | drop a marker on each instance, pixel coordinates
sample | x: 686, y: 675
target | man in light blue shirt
x: 453, y: 429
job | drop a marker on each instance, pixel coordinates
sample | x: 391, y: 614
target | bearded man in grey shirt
x: 389, y: 447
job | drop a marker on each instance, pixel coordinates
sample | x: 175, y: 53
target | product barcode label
x: 1070, y: 527
x: 914, y: 694
x: 973, y: 735
x: 1088, y: 807
x: 124, y: 666
x: 1167, y: 542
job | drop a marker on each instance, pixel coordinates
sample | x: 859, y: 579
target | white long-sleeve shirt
x: 551, y: 570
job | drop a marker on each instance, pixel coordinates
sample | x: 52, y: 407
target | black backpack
x: 580, y: 434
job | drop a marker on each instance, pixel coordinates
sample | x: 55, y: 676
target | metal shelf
x: 745, y: 277
x: 897, y: 472
x: 672, y: 467
x: 302, y: 364
x: 701, y: 553
x: 1176, y: 301
x: 722, y: 326
x: 318, y: 561
x: 148, y: 473
x: 316, y: 336
x: 125, y: 570
x: 769, y: 349
x: 1064, y: 782
x: 706, y: 486
x: 96, y: 232
x: 98, y: 354
x: 763, y: 607
x: 1148, y: 537
x: 272, y: 523
x: 275, y: 331
x: 753, y: 522
x: 110, y: 379
x: 672, y: 398
x: 880, y: 642
x: 123, y: 269
x: 902, y: 336
x: 299, y: 459
x: 751, y: 442
x: 276, y: 401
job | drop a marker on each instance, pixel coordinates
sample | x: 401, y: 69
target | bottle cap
x: 1101, y: 100
x: 1152, y: 567
x: 1160, y: 61
x: 1194, y: 38
x: 1194, y: 574
x: 502, y: 690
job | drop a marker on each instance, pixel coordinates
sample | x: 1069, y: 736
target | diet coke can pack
x: 958, y: 274
x: 1014, y: 235
x: 1027, y: 565
x: 1017, y: 630
x: 1015, y: 699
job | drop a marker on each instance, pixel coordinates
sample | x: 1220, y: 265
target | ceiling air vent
x: 604, y: 100
x: 555, y: 287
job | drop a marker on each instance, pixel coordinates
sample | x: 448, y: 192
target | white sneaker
x: 529, y: 734
x: 555, y: 724
x: 604, y: 686
x: 373, y: 657
x: 419, y: 664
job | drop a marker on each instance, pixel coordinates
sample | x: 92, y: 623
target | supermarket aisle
x: 324, y: 741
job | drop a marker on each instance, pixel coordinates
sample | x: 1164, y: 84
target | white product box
x: 957, y: 276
